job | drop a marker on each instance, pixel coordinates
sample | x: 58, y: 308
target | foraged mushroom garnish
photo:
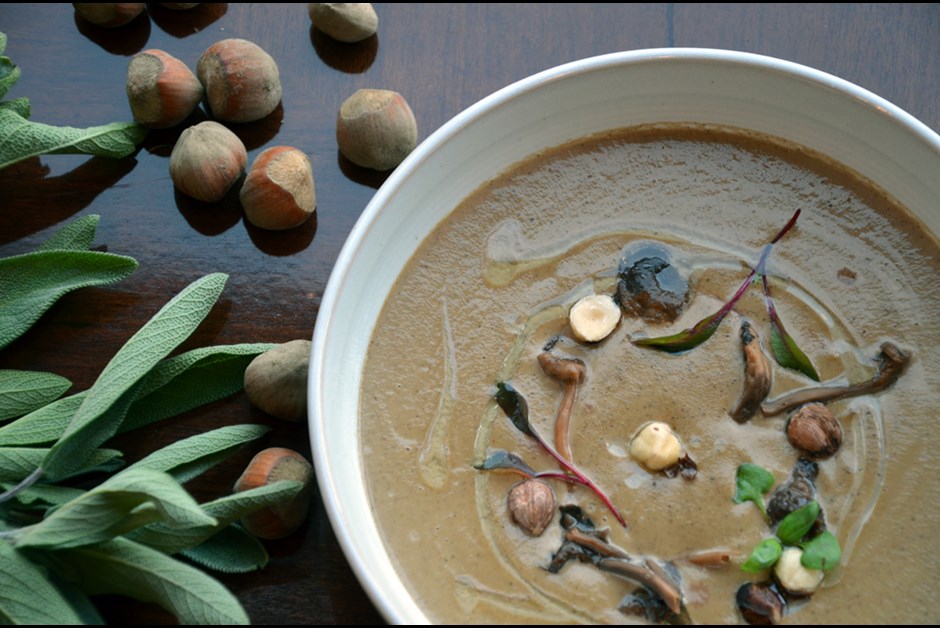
x: 570, y: 372
x: 757, y: 376
x: 891, y: 364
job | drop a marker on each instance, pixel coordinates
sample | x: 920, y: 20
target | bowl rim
x: 406, y: 611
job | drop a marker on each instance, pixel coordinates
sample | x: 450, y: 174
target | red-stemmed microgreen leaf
x: 705, y: 328
x: 502, y: 460
x: 784, y: 348
x: 517, y: 409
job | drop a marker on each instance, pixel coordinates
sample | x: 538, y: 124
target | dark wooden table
x: 442, y: 58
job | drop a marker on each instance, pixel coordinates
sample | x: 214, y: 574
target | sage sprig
x: 21, y: 138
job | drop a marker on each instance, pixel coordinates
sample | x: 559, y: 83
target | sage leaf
x: 794, y: 526
x: 763, y: 556
x: 515, y: 407
x: 124, y: 502
x: 43, y: 425
x: 122, y: 567
x: 751, y: 484
x: 26, y: 594
x: 188, y: 458
x: 3, y: 42
x: 226, y: 510
x: 504, y: 461
x: 34, y: 281
x: 823, y: 552
x: 22, y: 392
x: 92, y: 425
x: 784, y: 348
x: 190, y: 380
x: 17, y: 463
x: 78, y: 235
x: 9, y: 75
x: 42, y: 496
x: 21, y: 139
x: 19, y: 106
x: 231, y: 550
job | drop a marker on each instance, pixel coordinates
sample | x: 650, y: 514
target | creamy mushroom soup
x: 490, y: 290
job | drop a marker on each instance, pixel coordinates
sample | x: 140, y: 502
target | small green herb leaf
x: 27, y: 597
x: 764, y: 556
x: 231, y: 550
x: 92, y: 424
x: 515, y: 407
x: 752, y: 482
x: 786, y: 352
x: 34, y: 281
x: 22, y: 392
x: 19, y: 106
x: 687, y: 338
x: 188, y: 458
x: 22, y: 139
x: 823, y: 552
x: 17, y: 463
x: 78, y: 235
x: 122, y: 567
x: 794, y: 526
x: 504, y: 461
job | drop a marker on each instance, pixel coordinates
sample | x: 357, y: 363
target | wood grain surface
x: 441, y: 58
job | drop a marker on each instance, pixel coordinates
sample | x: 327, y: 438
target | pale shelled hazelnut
x: 109, y: 14
x: 655, y: 446
x: 594, y: 317
x: 276, y: 380
x: 792, y: 576
x: 161, y: 89
x: 207, y: 160
x: 241, y: 80
x: 376, y: 129
x: 279, y: 192
x: 348, y: 22
x: 269, y: 466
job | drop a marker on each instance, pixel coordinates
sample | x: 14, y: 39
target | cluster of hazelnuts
x: 239, y: 83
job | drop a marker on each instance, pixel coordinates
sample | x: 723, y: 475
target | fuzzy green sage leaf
x: 823, y: 552
x: 27, y: 597
x: 20, y: 106
x: 751, y: 484
x: 34, y: 281
x: 763, y: 556
x: 21, y: 139
x: 795, y: 525
x: 123, y: 567
x: 77, y: 235
x: 22, y: 392
x: 16, y: 463
x: 92, y: 424
x: 230, y: 550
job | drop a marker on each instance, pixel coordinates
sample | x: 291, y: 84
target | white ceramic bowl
x: 768, y: 95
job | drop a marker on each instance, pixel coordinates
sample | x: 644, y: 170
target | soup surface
x: 492, y: 285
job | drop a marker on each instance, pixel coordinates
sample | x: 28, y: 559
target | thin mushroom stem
x: 662, y: 586
x: 563, y: 421
x: 570, y: 372
x: 892, y: 362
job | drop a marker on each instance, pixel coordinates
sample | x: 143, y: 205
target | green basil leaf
x: 763, y: 556
x: 22, y: 392
x: 823, y: 552
x: 78, y: 235
x: 226, y: 510
x: 17, y: 463
x: 92, y: 424
x: 122, y: 567
x: 124, y: 502
x: 26, y: 594
x: 188, y: 458
x: 21, y: 139
x: 794, y: 526
x: 34, y: 281
x: 231, y: 550
x: 751, y: 483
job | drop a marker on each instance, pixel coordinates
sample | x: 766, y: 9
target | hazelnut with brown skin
x: 161, y: 90
x: 376, y: 129
x: 814, y: 430
x: 279, y: 192
x: 206, y: 161
x: 531, y: 505
x: 276, y: 380
x: 349, y: 22
x: 269, y: 466
x: 109, y: 14
x: 241, y: 80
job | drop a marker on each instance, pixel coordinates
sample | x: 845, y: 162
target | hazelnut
x: 792, y: 576
x: 531, y: 505
x: 594, y: 317
x: 161, y: 89
x: 276, y: 380
x: 348, y: 22
x: 269, y: 466
x: 376, y: 129
x: 207, y: 160
x: 108, y: 14
x: 655, y: 446
x: 278, y: 192
x: 814, y: 430
x: 241, y: 80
